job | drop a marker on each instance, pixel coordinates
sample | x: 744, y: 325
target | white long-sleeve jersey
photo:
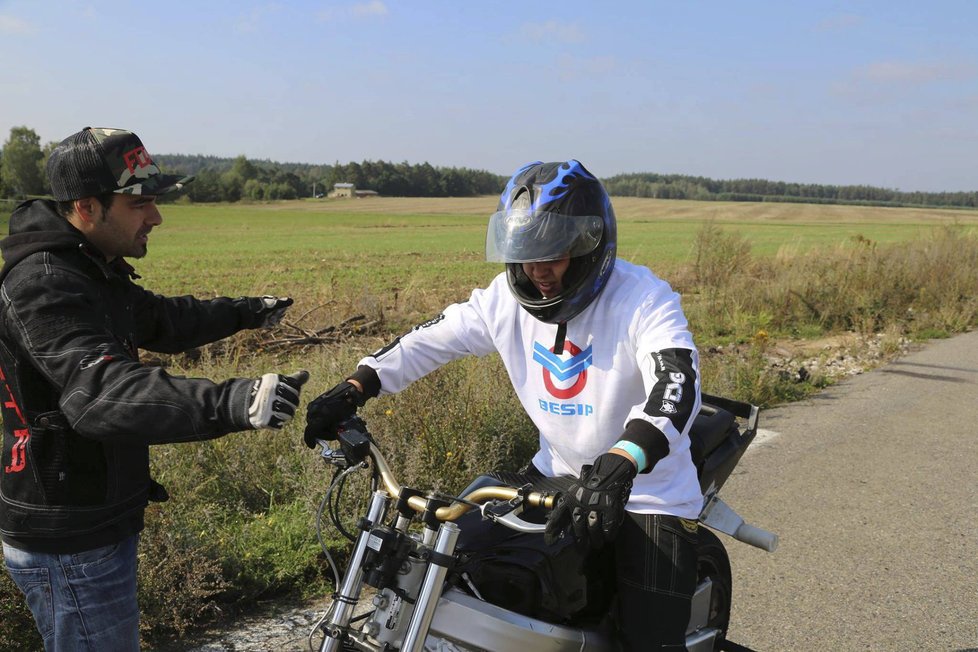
x: 610, y: 373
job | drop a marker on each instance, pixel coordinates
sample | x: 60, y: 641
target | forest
x: 231, y: 179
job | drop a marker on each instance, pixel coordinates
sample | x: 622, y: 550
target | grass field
x: 241, y: 526
x: 429, y: 251
x: 383, y: 243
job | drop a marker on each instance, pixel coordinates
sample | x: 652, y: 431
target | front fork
x: 431, y: 588
x: 439, y: 559
x: 346, y: 600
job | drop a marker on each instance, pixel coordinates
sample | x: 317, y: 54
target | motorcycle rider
x: 79, y: 409
x: 600, y: 355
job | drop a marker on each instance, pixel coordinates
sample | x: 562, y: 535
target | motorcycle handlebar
x: 452, y: 512
x: 419, y: 504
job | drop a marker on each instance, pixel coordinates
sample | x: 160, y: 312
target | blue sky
x: 879, y: 93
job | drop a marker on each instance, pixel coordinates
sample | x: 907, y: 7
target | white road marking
x: 763, y: 436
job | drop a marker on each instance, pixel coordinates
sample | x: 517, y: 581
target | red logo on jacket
x: 18, y: 452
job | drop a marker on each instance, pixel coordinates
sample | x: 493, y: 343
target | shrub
x: 179, y: 574
x: 459, y: 421
x: 18, y: 632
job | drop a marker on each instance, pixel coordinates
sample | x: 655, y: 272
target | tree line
x: 23, y: 158
x: 675, y: 186
x: 226, y: 179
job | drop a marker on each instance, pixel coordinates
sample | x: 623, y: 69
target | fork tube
x: 348, y: 595
x: 431, y: 589
x: 402, y: 523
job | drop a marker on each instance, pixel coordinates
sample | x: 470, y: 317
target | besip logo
x: 570, y: 374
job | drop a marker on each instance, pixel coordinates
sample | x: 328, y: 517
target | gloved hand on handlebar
x: 274, y: 399
x: 594, y: 506
x: 327, y: 411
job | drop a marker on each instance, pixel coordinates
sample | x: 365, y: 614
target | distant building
x: 343, y: 190
x: 350, y: 190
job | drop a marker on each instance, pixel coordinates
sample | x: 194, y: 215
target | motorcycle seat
x: 710, y: 429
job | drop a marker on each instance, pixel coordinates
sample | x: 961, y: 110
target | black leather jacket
x: 79, y: 409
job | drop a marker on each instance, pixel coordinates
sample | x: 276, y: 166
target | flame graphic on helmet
x: 560, y: 185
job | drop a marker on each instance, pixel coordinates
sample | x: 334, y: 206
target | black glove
x: 594, y: 506
x: 268, y: 311
x: 327, y: 411
x: 274, y: 399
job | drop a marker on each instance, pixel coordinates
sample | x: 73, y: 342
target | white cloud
x: 884, y: 81
x: 373, y: 8
x: 14, y: 25
x: 370, y: 9
x: 899, y: 72
x: 552, y: 31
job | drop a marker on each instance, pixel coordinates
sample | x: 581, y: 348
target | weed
x: 18, y: 633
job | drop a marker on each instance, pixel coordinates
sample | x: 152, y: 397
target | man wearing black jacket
x: 79, y: 409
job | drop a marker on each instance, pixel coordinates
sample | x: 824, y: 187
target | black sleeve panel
x: 673, y: 397
x: 674, y: 394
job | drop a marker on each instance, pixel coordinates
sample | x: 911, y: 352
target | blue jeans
x: 84, y: 601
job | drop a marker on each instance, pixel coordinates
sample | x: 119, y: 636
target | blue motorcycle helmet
x: 549, y: 211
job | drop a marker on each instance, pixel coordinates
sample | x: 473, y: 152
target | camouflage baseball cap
x: 98, y: 160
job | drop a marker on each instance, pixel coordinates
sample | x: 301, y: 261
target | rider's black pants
x: 656, y: 569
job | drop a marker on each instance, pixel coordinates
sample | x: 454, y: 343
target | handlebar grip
x: 757, y: 537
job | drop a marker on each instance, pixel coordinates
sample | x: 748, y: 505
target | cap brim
x: 158, y: 184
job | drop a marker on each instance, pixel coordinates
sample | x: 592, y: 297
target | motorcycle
x: 471, y: 572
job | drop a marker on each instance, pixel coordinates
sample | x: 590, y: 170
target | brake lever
x: 333, y: 456
x: 513, y: 523
x: 505, y: 511
x: 496, y: 509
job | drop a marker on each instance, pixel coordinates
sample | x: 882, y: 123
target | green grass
x: 384, y: 246
x: 322, y: 257
x: 657, y: 232
x: 429, y: 251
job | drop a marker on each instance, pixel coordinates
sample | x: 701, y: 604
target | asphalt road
x: 871, y: 487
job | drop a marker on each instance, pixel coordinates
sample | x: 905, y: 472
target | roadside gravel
x: 280, y: 627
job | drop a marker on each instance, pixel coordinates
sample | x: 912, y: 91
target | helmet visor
x: 526, y: 236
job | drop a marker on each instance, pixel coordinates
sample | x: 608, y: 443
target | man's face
x: 123, y: 229
x: 547, y: 276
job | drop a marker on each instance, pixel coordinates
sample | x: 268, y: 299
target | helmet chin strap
x: 560, y: 337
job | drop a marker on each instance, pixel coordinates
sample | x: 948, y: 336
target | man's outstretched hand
x: 274, y: 399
